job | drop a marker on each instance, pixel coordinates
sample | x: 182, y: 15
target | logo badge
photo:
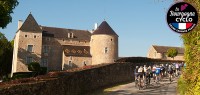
x: 182, y: 17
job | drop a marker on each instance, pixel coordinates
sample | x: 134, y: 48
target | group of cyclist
x: 143, y: 74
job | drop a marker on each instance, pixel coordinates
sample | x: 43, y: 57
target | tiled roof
x: 104, y: 28
x: 163, y: 49
x: 79, y: 51
x: 63, y: 33
x: 30, y: 24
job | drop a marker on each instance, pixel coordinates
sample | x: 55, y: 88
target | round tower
x: 104, y: 44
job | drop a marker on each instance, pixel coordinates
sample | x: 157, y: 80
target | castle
x: 61, y: 49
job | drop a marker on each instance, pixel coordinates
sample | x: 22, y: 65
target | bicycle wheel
x: 139, y: 84
x: 147, y: 82
x: 136, y: 83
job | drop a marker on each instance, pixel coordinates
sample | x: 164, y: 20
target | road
x: 163, y: 88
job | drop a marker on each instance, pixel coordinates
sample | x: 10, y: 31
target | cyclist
x: 174, y: 69
x: 162, y: 70
x: 170, y: 72
x: 158, y: 69
x: 140, y: 77
x: 148, y: 75
x: 136, y: 75
x: 145, y: 69
x: 154, y: 72
x: 141, y: 72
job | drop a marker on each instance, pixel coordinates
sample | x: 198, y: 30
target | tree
x: 6, y: 9
x: 172, y: 52
x: 6, y: 53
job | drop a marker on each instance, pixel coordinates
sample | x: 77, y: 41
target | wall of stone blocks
x: 73, y: 82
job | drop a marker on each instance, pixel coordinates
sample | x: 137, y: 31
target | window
x: 110, y: 39
x: 84, y: 63
x: 47, y: 38
x: 70, y: 35
x: 44, y: 62
x: 34, y: 36
x: 106, y: 49
x: 29, y: 60
x: 30, y: 48
x: 70, y: 63
x: 46, y: 49
x: 25, y: 35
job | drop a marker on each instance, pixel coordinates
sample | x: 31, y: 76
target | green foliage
x: 182, y: 87
x: 24, y: 75
x: 172, y: 52
x: 43, y: 70
x: 34, y: 66
x: 190, y: 83
x: 6, y: 7
x: 6, y: 53
x: 12, y: 43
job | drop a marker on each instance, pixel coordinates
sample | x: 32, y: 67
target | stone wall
x: 72, y: 82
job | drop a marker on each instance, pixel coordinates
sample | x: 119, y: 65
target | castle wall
x: 15, y: 53
x: 76, y: 62
x: 25, y: 39
x: 104, y: 48
x: 54, y: 54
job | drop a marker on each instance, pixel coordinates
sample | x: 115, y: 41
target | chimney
x: 20, y: 22
x: 95, y: 26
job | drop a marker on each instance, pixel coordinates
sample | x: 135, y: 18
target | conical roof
x: 104, y: 28
x: 30, y: 24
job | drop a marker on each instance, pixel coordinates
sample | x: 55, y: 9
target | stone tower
x: 104, y: 44
x: 27, y: 45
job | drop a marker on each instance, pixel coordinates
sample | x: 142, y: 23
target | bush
x: 34, y: 66
x: 43, y: 70
x: 182, y: 86
x: 19, y: 75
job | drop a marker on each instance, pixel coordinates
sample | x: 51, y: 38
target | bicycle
x: 170, y: 77
x: 140, y: 84
x: 157, y: 78
x: 136, y: 82
x: 147, y: 80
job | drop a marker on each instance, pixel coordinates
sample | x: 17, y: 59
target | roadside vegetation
x: 6, y: 53
x: 189, y: 83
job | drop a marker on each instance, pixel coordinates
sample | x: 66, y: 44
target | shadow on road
x: 163, y: 88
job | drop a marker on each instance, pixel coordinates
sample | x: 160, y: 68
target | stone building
x: 61, y: 48
x: 159, y: 52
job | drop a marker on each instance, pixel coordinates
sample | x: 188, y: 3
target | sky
x: 139, y: 23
